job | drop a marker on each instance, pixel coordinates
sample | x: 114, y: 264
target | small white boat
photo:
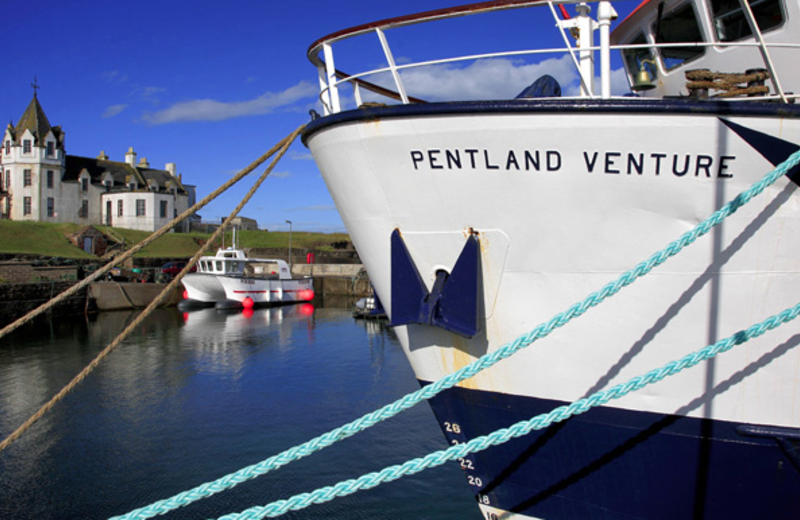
x: 276, y: 289
x: 231, y: 280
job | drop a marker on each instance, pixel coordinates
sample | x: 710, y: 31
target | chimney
x: 143, y: 163
x: 171, y: 168
x: 130, y: 157
x: 102, y: 156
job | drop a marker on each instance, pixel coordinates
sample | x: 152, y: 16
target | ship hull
x: 564, y: 197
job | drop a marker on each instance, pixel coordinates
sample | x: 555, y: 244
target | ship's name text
x: 612, y: 163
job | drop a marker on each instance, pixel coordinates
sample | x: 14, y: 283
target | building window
x: 140, y: 207
x: 51, y: 207
x: 1, y: 177
x: 8, y: 147
x: 84, y: 213
x: 119, y: 208
x: 26, y: 146
x: 51, y: 149
x: 8, y: 178
x: 26, y: 178
x: 26, y: 205
x: 163, y: 209
x: 49, y: 178
x: 85, y: 184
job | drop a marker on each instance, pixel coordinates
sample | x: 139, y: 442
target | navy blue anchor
x: 455, y: 302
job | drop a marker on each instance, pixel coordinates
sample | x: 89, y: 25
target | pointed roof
x: 34, y: 120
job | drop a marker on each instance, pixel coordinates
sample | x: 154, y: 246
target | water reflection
x: 225, y: 339
x: 191, y: 397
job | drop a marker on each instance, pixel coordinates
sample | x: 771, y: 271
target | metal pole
x: 290, y: 245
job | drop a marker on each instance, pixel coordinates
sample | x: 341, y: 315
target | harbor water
x: 189, y: 398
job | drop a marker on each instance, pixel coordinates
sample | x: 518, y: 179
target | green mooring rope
x: 449, y: 381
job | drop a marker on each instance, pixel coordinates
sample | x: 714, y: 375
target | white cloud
x: 114, y: 110
x: 115, y: 76
x: 212, y: 110
x: 496, y: 78
x: 280, y: 175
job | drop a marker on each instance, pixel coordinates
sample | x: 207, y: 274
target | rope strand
x: 163, y: 295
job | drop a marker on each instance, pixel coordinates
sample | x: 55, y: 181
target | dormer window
x: 51, y: 149
x: 84, y: 184
x: 26, y: 146
x: 8, y: 147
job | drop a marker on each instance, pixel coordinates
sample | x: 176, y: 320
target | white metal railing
x: 582, y: 56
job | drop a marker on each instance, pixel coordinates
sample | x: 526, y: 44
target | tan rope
x: 733, y: 84
x: 149, y: 240
x: 285, y: 143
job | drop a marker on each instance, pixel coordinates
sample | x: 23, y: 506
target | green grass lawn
x: 45, y: 239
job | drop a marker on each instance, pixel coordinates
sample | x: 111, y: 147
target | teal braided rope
x: 539, y: 422
x: 486, y: 361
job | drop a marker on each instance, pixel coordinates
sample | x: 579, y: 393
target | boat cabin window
x: 730, y: 22
x: 678, y: 26
x: 640, y: 58
x: 218, y: 266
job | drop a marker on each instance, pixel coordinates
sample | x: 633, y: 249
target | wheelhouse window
x: 640, y: 58
x: 26, y: 178
x: 731, y: 24
x: 140, y: 207
x: 679, y: 26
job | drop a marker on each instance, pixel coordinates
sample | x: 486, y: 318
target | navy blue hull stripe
x: 618, y: 464
x: 559, y: 106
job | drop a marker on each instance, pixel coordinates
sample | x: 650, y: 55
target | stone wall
x: 18, y: 299
x: 27, y: 272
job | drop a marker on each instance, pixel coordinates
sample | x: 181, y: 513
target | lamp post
x: 290, y: 245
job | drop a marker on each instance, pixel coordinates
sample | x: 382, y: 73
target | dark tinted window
x: 635, y: 58
x: 731, y: 24
x: 678, y: 26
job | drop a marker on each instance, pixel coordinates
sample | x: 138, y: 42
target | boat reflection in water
x: 231, y: 332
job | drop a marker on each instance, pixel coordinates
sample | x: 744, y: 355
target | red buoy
x: 248, y: 303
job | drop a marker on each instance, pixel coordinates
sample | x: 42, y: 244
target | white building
x: 38, y: 181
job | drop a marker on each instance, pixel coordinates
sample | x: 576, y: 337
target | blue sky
x: 211, y: 86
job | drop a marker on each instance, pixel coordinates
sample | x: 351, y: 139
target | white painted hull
x: 203, y: 288
x: 267, y: 292
x: 549, y: 236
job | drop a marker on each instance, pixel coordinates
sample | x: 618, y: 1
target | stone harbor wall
x: 17, y: 299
